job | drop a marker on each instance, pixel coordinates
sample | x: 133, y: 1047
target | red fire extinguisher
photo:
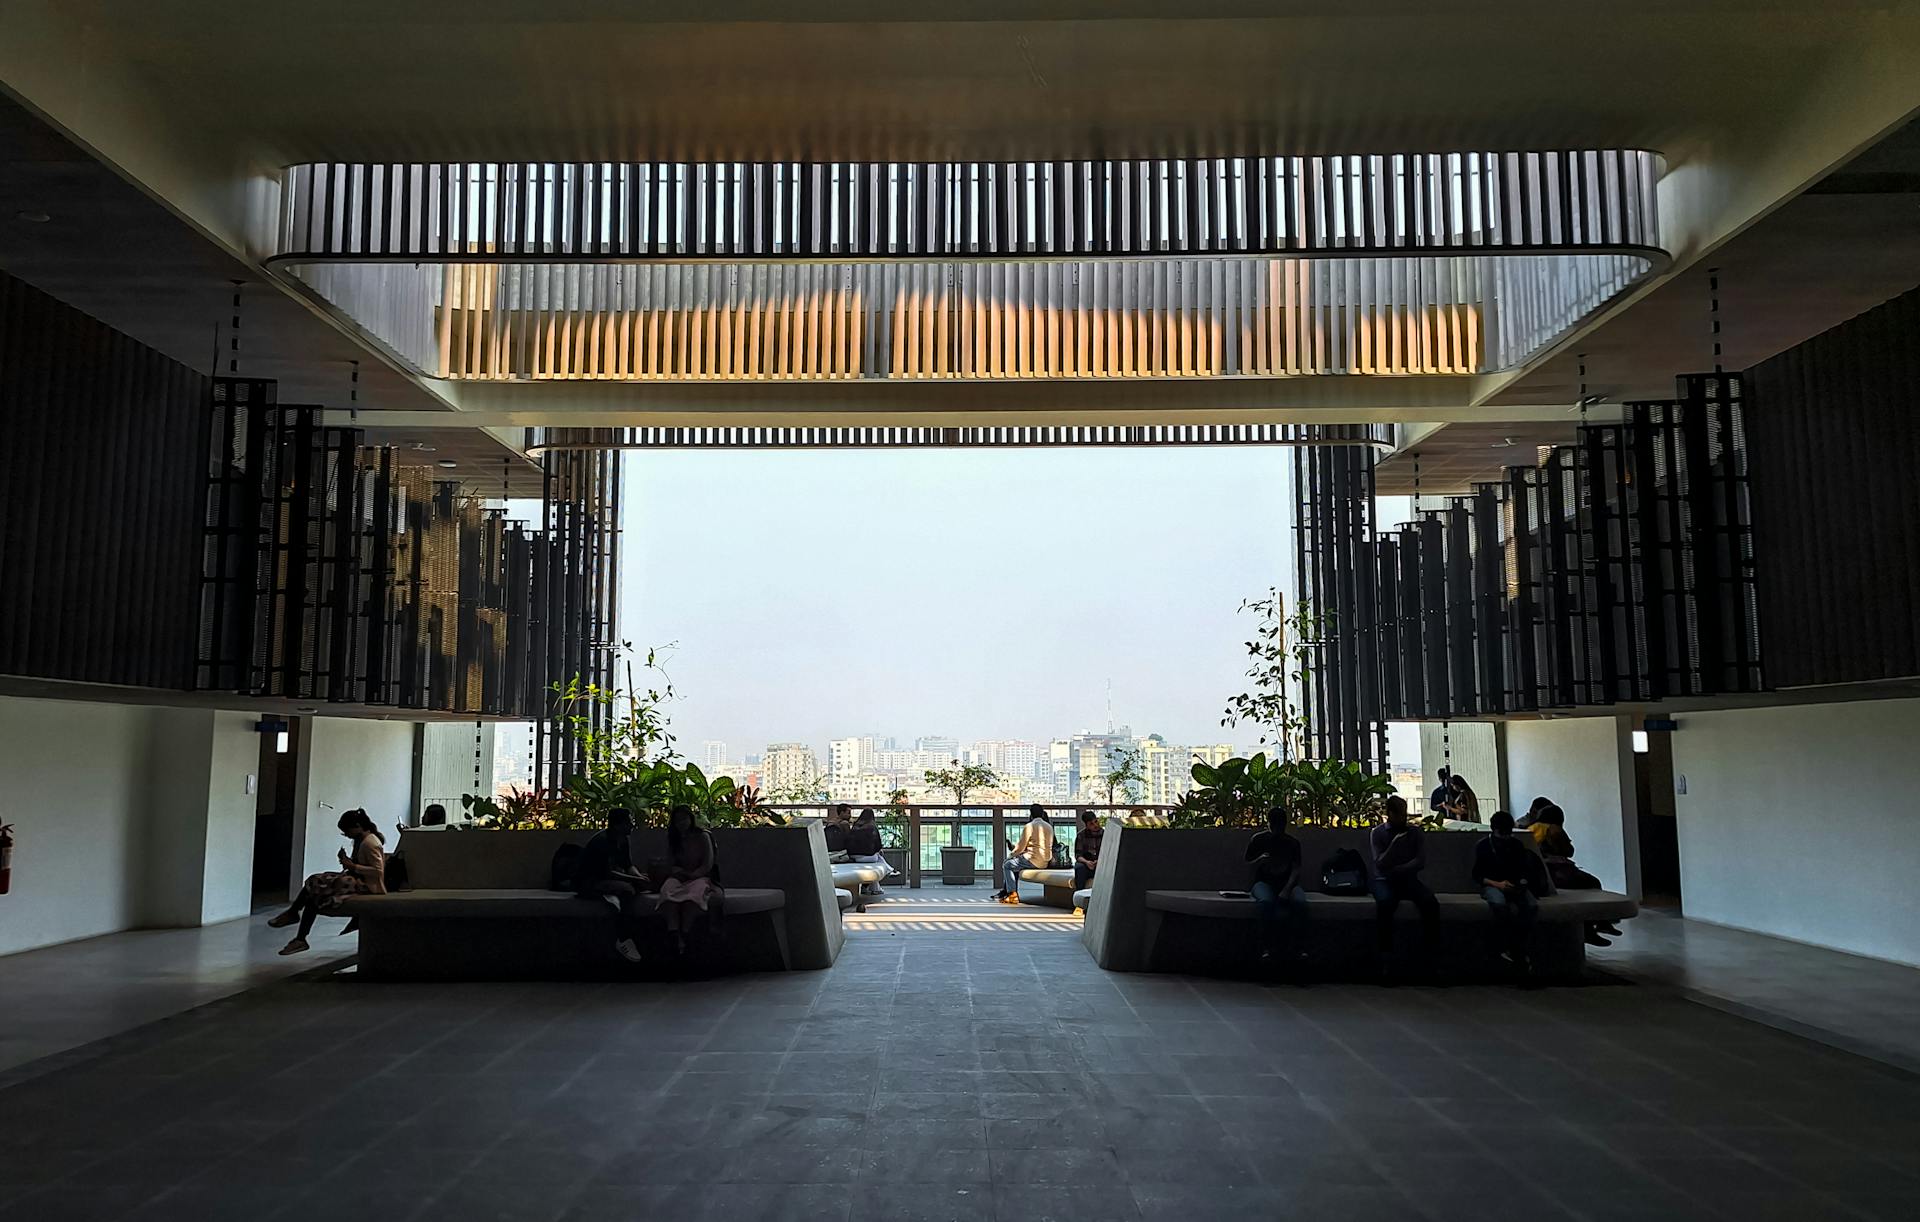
x: 6, y: 857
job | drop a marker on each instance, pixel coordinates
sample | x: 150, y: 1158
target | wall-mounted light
x: 1639, y: 742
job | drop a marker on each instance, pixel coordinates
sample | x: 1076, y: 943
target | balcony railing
x: 986, y: 826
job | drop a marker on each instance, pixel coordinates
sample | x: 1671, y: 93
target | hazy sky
x: 973, y: 594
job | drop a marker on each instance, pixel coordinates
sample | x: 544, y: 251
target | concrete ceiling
x: 199, y: 104
x: 111, y: 251
x: 1842, y: 248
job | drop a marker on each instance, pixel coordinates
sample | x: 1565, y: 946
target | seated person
x: 364, y: 873
x: 1086, y: 849
x: 839, y: 824
x: 1462, y: 803
x: 1556, y: 848
x: 1276, y: 888
x: 1533, y: 812
x: 606, y: 868
x: 1399, y: 854
x: 1506, y: 871
x: 691, y: 886
x: 863, y: 844
x: 1033, y: 852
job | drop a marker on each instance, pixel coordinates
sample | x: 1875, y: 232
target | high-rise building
x: 946, y: 748
x: 713, y: 756
x: 849, y: 757
x: 791, y: 772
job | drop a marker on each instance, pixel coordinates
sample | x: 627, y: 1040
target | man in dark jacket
x: 606, y: 868
x: 1399, y: 854
x: 1507, y: 873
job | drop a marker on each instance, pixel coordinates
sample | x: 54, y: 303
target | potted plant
x: 959, y: 863
x: 893, y: 833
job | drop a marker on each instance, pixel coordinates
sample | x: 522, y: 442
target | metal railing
x: 926, y: 834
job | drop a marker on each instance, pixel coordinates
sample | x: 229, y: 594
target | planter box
x: 897, y: 858
x: 959, y: 865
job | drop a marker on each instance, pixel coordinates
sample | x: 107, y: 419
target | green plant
x: 1337, y: 793
x: 1123, y: 777
x: 1236, y: 792
x: 1316, y: 793
x: 893, y: 821
x: 515, y: 809
x: 1281, y: 655
x: 962, y: 779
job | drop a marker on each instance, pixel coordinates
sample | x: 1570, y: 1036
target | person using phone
x: 606, y: 868
x: 1507, y: 873
x: 1399, y: 854
x: 1276, y: 889
x: 364, y: 872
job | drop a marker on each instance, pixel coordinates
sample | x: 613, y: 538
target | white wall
x: 1470, y: 748
x: 72, y: 777
x: 1585, y: 764
x: 1800, y: 822
x: 226, y: 891
x: 348, y: 762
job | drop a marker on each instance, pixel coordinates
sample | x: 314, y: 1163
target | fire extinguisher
x: 6, y: 857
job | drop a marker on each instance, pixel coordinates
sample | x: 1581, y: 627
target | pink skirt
x: 698, y: 892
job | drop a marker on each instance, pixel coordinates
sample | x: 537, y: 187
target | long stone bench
x: 1056, y: 886
x: 480, y: 907
x: 1156, y: 905
x: 850, y: 876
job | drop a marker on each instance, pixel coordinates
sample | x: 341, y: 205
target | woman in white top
x: 364, y: 873
x: 1033, y: 852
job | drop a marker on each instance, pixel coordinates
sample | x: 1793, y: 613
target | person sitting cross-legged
x: 1507, y: 873
x: 1033, y: 852
x: 1399, y: 854
x: 362, y: 873
x: 1276, y: 888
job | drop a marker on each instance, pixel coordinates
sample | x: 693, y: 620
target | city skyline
x: 967, y: 594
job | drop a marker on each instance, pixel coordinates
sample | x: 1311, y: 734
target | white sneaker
x: 628, y: 950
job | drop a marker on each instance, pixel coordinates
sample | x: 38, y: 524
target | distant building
x: 713, y: 755
x: 790, y: 771
x: 947, y: 748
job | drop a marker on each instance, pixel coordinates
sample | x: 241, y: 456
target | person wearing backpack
x: 1507, y: 873
x: 1399, y: 854
x: 606, y: 868
x: 1276, y: 889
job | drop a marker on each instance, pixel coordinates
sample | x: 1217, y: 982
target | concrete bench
x: 480, y: 907
x: 1156, y: 903
x: 1056, y: 886
x: 850, y: 876
x: 1581, y: 906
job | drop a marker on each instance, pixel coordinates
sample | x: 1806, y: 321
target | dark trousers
x: 629, y: 897
x: 1514, y: 912
x: 1283, y: 918
x: 1387, y: 894
x: 1082, y: 875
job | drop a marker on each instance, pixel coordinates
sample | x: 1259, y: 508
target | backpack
x: 566, y: 866
x: 1059, y: 860
x: 396, y: 875
x: 1344, y: 873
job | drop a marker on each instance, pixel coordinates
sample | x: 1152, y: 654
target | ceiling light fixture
x: 32, y: 217
x: 448, y: 462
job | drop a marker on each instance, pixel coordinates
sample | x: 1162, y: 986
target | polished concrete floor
x: 65, y: 998
x: 1863, y: 1005
x: 987, y: 1072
